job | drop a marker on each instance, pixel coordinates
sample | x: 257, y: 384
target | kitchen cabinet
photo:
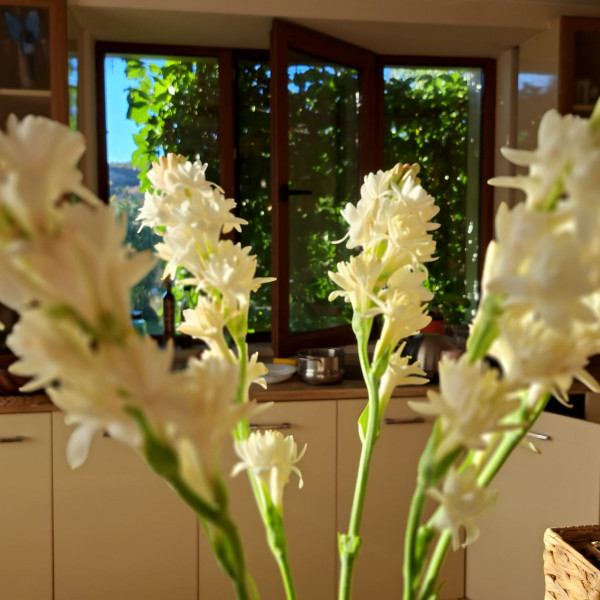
x: 309, y: 512
x: 113, y: 529
x: 389, y: 493
x: 119, y: 531
x: 26, y: 502
x: 556, y: 488
x: 559, y: 68
x: 33, y: 55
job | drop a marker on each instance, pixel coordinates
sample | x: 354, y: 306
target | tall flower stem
x: 225, y: 540
x: 420, y: 578
x: 415, y: 550
x: 278, y: 545
x: 271, y: 517
x: 349, y: 543
x: 510, y: 441
x: 412, y: 566
x: 435, y: 564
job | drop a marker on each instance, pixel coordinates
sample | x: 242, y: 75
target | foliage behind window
x: 431, y: 117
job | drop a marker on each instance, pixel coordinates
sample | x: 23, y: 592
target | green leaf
x: 362, y: 424
x: 138, y: 112
x: 135, y: 69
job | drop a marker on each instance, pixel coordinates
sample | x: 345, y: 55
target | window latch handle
x: 286, y: 192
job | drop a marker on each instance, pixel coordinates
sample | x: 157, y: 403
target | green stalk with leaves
x: 539, y: 324
x: 391, y: 223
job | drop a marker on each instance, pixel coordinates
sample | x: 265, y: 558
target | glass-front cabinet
x: 33, y: 74
x: 33, y: 58
x: 580, y: 65
x: 559, y: 68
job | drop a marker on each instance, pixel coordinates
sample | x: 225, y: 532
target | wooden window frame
x: 287, y: 35
x: 282, y: 341
x: 488, y: 127
x: 226, y: 133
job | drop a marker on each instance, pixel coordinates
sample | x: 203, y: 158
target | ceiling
x: 484, y: 28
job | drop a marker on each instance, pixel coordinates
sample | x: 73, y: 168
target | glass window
x: 324, y: 168
x: 433, y: 116
x: 73, y: 82
x: 253, y: 80
x: 155, y: 105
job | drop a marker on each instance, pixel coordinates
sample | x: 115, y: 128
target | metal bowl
x: 428, y: 349
x: 321, y: 365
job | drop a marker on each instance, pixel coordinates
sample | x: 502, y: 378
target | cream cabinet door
x: 120, y: 532
x: 25, y: 507
x: 309, y: 512
x: 557, y: 488
x: 378, y: 569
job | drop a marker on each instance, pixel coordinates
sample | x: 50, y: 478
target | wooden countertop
x: 287, y: 391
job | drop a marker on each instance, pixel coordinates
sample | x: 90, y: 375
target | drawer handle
x: 263, y: 426
x: 539, y: 436
x: 413, y: 421
x: 12, y: 440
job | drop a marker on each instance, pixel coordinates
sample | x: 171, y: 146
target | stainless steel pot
x: 428, y: 348
x: 321, y: 365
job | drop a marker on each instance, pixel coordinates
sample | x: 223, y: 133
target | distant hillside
x: 122, y: 176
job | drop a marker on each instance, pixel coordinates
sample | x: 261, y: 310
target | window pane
x: 156, y: 105
x: 73, y: 81
x: 433, y: 117
x: 324, y: 147
x: 253, y: 194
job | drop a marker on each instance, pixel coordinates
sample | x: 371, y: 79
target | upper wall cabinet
x: 560, y: 68
x: 33, y: 55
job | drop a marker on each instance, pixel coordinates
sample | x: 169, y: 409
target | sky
x: 119, y: 130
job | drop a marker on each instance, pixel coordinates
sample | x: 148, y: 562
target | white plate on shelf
x: 279, y: 372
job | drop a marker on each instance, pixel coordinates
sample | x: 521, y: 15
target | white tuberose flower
x: 531, y: 353
x: 400, y: 371
x: 272, y: 457
x: 37, y: 166
x: 462, y: 501
x: 203, y: 416
x: 472, y: 401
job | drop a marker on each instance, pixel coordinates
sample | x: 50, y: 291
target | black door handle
x: 285, y: 192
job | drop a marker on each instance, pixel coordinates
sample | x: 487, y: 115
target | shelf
x: 24, y: 92
x: 583, y: 108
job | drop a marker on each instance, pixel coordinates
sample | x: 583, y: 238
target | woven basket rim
x: 560, y: 535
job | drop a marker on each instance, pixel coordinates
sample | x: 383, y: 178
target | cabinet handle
x: 539, y: 436
x: 12, y: 440
x: 263, y: 426
x: 413, y: 421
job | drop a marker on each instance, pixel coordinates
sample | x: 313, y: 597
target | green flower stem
x: 485, y: 329
x: 242, y: 428
x: 510, y: 441
x: 435, y: 564
x: 278, y: 545
x: 349, y: 544
x: 415, y: 550
x: 412, y: 561
x: 272, y: 518
x: 242, y: 352
x: 163, y: 460
x: 276, y: 538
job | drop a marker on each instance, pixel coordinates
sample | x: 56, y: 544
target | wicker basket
x: 572, y: 563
